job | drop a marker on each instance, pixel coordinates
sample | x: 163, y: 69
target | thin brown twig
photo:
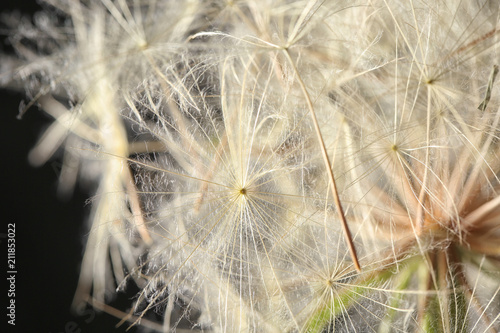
x: 328, y: 165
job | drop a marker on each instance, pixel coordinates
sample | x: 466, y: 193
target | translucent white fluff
x: 278, y: 166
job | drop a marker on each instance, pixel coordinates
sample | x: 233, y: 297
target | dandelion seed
x: 251, y: 156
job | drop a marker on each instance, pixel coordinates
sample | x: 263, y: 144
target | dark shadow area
x: 49, y: 232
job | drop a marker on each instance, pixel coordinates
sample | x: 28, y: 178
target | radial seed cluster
x: 277, y: 166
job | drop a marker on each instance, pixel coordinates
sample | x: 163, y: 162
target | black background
x: 50, y: 232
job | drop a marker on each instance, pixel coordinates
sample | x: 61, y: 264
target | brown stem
x: 328, y: 165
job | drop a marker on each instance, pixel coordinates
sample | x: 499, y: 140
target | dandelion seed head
x: 214, y: 187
